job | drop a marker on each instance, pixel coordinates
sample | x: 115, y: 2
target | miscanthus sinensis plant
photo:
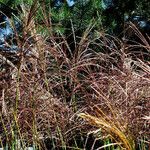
x: 53, y: 85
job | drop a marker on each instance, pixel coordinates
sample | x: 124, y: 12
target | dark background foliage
x: 107, y: 14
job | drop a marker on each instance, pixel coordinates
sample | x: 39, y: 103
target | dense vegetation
x: 75, y: 76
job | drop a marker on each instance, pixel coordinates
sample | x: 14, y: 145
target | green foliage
x: 79, y: 15
x: 84, y: 11
x: 142, y: 8
x: 14, y: 3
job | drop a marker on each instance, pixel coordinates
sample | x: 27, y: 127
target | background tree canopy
x: 108, y: 15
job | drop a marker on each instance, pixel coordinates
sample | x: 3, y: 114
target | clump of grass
x: 116, y: 130
x: 52, y: 82
x: 120, y: 98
